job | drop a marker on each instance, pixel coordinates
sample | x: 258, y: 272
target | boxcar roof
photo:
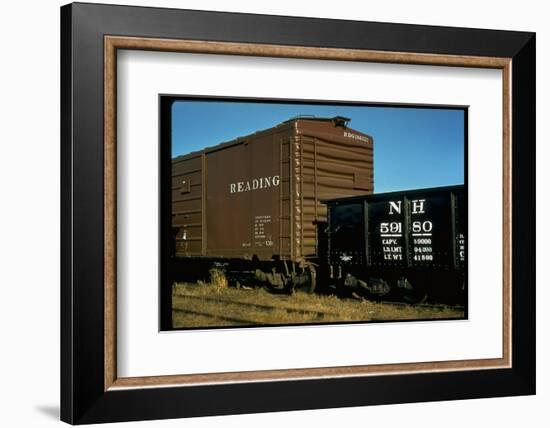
x: 294, y: 122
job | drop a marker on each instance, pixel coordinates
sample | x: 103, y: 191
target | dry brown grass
x: 217, y: 279
x: 216, y: 305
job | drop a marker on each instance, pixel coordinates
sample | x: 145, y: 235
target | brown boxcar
x: 260, y: 195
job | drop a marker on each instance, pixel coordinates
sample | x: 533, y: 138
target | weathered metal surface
x: 260, y: 195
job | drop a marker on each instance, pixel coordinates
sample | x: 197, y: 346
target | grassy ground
x: 216, y: 305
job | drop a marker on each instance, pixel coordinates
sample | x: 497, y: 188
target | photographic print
x: 284, y: 212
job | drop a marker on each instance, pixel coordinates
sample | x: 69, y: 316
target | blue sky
x: 413, y: 147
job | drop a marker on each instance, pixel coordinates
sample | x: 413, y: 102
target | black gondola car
x: 408, y: 245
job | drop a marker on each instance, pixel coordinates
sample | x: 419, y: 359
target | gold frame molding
x: 113, y: 43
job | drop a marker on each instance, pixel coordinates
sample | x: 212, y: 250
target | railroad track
x: 216, y: 316
x: 318, y: 314
x: 423, y: 305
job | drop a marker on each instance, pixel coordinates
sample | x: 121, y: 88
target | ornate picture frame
x: 92, y: 391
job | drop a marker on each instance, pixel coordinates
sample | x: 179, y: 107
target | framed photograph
x: 285, y: 225
x: 320, y: 213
